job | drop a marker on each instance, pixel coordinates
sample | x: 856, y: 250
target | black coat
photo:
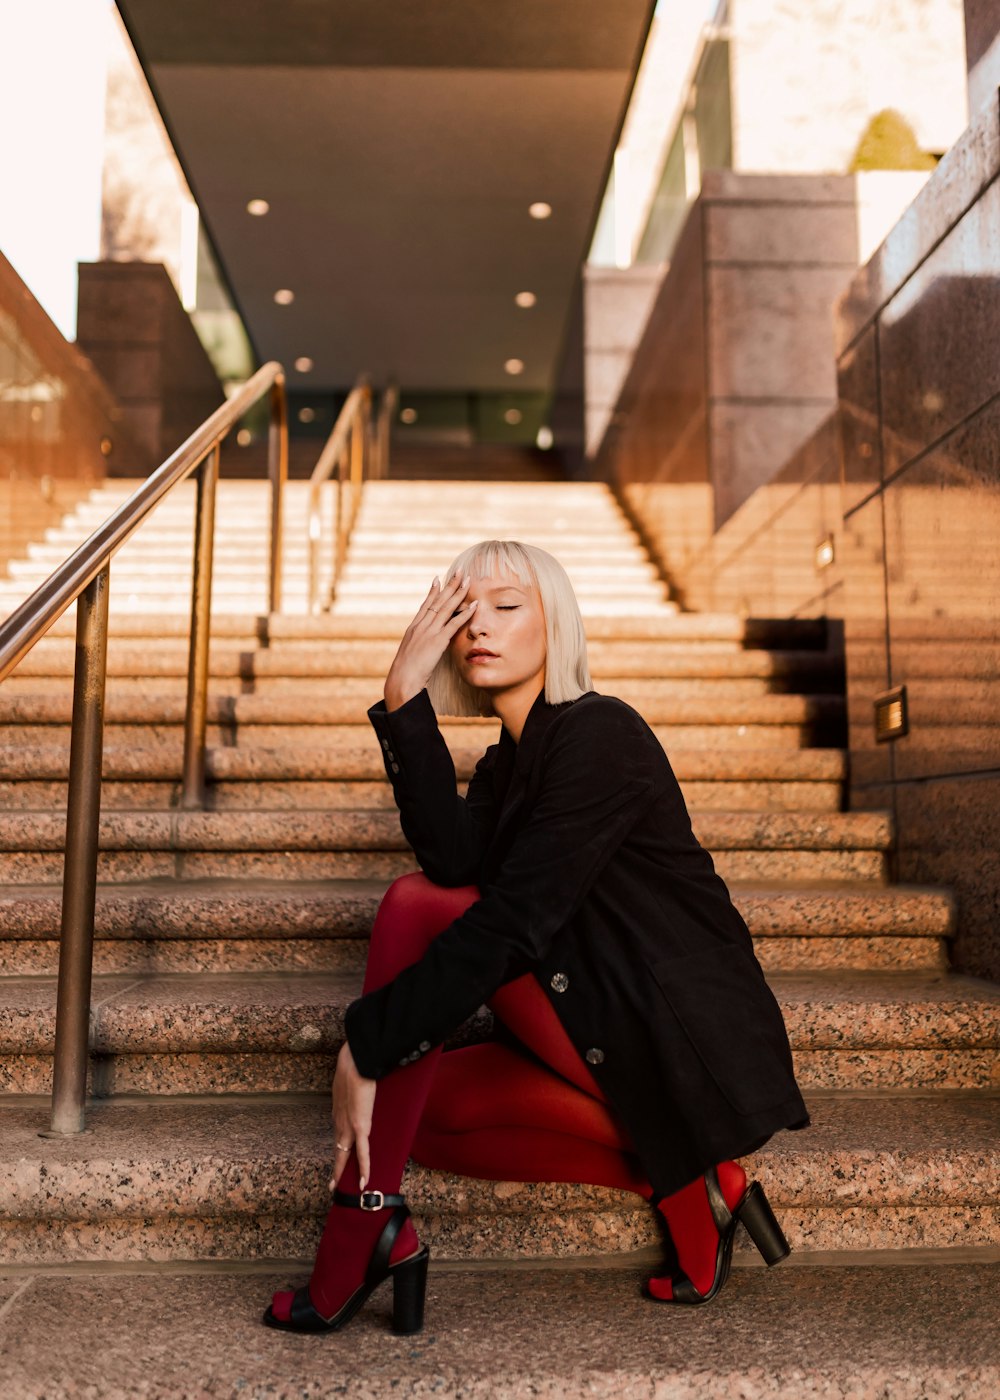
x: 592, y: 879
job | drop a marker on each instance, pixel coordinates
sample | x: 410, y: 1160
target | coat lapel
x: 518, y: 763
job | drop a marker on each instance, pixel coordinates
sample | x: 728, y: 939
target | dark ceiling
x: 399, y: 145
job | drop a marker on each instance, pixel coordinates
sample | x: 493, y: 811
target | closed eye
x: 507, y: 607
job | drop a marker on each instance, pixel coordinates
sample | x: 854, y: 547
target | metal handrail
x: 354, y: 452
x: 85, y: 577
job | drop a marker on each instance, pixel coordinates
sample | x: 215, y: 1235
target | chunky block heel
x: 755, y: 1213
x: 409, y: 1288
x: 409, y: 1277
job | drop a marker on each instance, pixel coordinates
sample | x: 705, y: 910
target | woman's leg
x: 410, y: 916
x: 494, y: 1114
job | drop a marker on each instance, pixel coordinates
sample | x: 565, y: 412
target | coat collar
x: 521, y: 756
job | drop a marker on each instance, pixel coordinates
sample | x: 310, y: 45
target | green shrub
x: 889, y: 143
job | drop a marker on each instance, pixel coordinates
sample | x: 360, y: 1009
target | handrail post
x: 338, y: 529
x: 83, y: 816
x: 315, y: 527
x: 196, y: 711
x: 277, y: 464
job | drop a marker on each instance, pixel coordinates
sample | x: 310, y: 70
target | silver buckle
x: 372, y: 1200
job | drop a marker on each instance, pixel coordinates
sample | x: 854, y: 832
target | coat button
x: 594, y: 1056
x: 395, y: 767
x: 559, y: 982
x: 424, y: 1046
x: 385, y: 745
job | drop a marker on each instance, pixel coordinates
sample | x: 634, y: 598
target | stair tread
x: 247, y: 906
x: 373, y: 829
x: 360, y: 759
x: 200, y: 1156
x: 302, y: 1012
x: 512, y: 1334
x: 304, y: 709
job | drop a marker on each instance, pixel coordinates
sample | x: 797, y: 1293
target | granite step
x: 214, y: 1179
x: 276, y: 1032
x: 611, y: 661
x: 368, y: 844
x: 359, y: 759
x: 245, y: 926
x: 515, y: 1333
x: 792, y: 721
x: 332, y: 794
x: 713, y: 631
x: 350, y: 696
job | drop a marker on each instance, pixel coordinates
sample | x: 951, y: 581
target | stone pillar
x: 133, y: 326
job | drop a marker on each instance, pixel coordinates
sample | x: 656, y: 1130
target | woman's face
x: 502, y: 646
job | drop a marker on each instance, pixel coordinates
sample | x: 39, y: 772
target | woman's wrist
x: 398, y: 692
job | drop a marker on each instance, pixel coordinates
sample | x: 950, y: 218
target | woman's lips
x: 480, y: 656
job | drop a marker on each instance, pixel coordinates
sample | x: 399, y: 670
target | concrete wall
x: 59, y: 424
x: 735, y: 367
x: 982, y: 47
x: 133, y: 327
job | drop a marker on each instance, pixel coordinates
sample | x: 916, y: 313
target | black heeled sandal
x: 409, y: 1277
x: 752, y: 1211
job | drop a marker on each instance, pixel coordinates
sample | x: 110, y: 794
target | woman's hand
x: 425, y: 641
x: 353, y: 1101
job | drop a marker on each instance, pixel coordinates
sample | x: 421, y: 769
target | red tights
x: 487, y: 1111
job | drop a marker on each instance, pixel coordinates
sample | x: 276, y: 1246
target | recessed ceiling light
x: 543, y: 438
x: 540, y: 210
x: 408, y: 415
x: 244, y: 437
x: 306, y: 415
x: 513, y: 366
x: 284, y: 297
x: 258, y: 208
x: 513, y: 416
x: 303, y: 364
x: 525, y: 299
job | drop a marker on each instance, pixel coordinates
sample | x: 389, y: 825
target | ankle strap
x: 368, y: 1200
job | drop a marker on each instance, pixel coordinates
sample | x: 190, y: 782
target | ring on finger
x: 342, y: 1147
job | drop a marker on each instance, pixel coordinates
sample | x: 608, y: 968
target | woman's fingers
x: 341, y: 1156
x: 364, y: 1159
x: 441, y: 602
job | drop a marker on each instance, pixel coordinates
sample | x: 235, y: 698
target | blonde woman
x: 639, y: 1046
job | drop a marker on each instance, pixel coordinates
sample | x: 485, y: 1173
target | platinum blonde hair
x: 567, y: 670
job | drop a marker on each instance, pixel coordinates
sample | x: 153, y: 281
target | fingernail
x: 474, y: 605
x: 466, y: 581
x: 437, y: 582
x: 362, y: 1183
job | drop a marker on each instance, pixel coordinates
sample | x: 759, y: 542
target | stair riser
x: 454, y: 1236
x: 653, y: 662
x: 37, y: 867
x: 695, y: 736
x: 326, y: 796
x: 642, y: 694
x: 146, y: 956
x: 209, y: 1072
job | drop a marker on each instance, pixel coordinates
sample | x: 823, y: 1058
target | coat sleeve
x: 449, y: 834
x: 595, y: 785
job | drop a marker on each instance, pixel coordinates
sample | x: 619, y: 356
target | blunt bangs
x: 567, y: 669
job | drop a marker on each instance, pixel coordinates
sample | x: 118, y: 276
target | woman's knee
x: 413, y: 911
x: 418, y: 901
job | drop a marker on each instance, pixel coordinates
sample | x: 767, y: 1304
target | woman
x: 641, y: 1047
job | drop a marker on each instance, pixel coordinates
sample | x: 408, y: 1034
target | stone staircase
x: 230, y: 940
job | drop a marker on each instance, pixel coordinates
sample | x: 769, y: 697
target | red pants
x: 492, y: 1110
